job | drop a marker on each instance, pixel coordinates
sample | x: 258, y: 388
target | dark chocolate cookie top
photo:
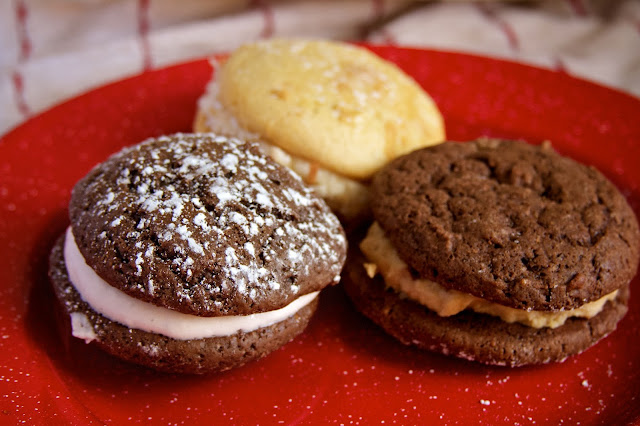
x: 509, y: 222
x: 205, y: 225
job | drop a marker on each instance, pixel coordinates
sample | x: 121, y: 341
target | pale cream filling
x: 344, y: 195
x: 384, y: 259
x: 133, y: 313
x: 347, y: 196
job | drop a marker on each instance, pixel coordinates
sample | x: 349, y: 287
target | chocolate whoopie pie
x: 496, y: 251
x: 194, y: 253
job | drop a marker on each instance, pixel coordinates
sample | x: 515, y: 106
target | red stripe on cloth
x: 504, y: 26
x: 269, y: 27
x: 18, y: 87
x: 377, y: 10
x: 143, y: 34
x: 388, y: 37
x: 560, y: 66
x: 24, y: 39
x: 24, y: 53
x: 578, y: 7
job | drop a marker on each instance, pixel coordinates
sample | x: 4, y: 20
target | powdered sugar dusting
x: 206, y: 202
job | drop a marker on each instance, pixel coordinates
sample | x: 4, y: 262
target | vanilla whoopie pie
x: 331, y: 111
x: 496, y: 251
x: 194, y: 253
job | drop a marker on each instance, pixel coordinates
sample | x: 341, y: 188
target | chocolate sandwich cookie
x: 497, y: 251
x: 194, y: 253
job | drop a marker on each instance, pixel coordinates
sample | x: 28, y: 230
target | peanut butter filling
x: 383, y: 259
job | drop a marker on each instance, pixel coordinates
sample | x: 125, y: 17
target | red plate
x: 343, y: 369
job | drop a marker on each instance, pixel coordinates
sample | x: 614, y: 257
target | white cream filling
x: 133, y: 313
x: 384, y: 259
x: 81, y: 327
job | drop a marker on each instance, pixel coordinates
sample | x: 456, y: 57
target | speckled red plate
x: 343, y: 369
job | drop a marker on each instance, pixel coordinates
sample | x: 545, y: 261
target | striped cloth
x: 51, y: 50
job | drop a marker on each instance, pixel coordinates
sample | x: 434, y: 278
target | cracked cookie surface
x: 509, y: 222
x: 205, y: 225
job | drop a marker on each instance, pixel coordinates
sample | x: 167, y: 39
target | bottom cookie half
x: 196, y: 356
x: 474, y: 336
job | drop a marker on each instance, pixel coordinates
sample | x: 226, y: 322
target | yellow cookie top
x: 334, y: 104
